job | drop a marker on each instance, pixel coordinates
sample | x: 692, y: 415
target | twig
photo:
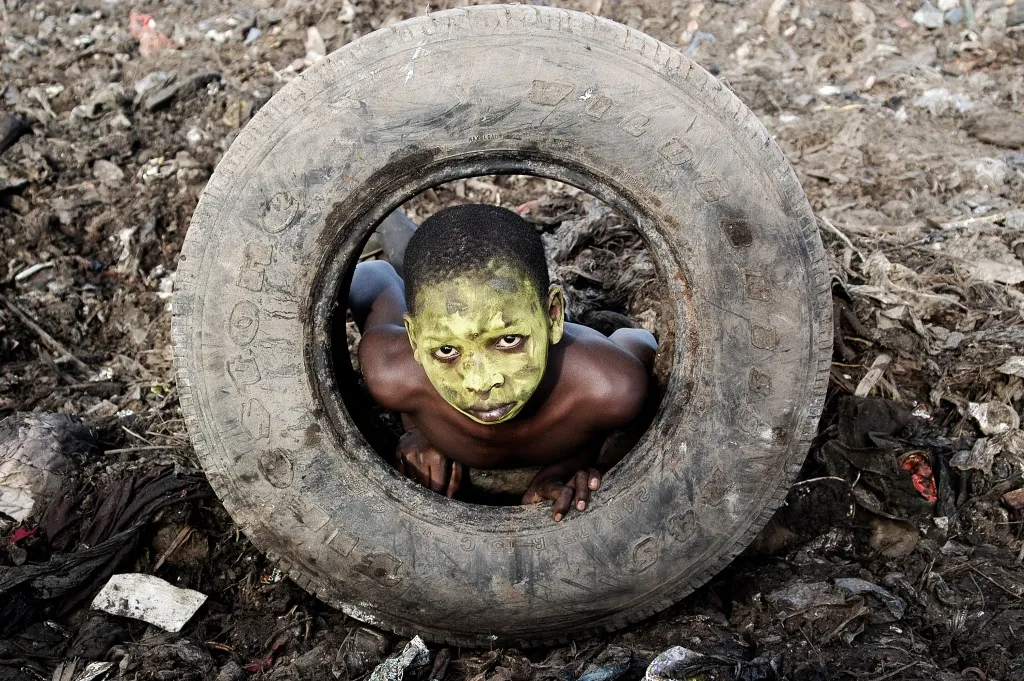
x: 136, y: 435
x: 842, y: 237
x: 898, y: 671
x: 127, y: 450
x: 180, y: 539
x: 970, y: 222
x: 842, y: 625
x: 984, y: 576
x: 47, y: 339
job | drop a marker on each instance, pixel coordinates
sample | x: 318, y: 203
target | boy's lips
x: 489, y: 413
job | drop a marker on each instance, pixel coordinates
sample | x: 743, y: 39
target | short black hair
x: 461, y: 239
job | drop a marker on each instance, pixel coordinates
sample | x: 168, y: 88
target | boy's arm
x: 377, y: 300
x: 376, y: 296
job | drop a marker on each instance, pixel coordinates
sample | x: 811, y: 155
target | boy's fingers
x: 582, y: 490
x: 563, y: 503
x: 595, y: 478
x: 421, y: 473
x: 438, y: 474
x: 455, y: 480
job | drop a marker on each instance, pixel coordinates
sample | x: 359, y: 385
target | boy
x: 473, y: 349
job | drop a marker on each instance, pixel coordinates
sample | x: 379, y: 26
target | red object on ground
x: 21, y: 533
x: 142, y: 27
x: 921, y: 473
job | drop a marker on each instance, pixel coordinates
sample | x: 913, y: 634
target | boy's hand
x: 418, y: 460
x: 550, y: 483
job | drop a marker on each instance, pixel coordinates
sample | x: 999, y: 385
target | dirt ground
x: 897, y: 557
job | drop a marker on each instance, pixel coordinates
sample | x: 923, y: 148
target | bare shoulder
x: 610, y: 382
x: 391, y: 373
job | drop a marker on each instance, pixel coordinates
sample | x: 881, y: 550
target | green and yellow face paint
x: 483, y: 337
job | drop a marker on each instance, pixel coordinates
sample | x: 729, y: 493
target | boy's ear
x: 556, y: 314
x: 410, y: 330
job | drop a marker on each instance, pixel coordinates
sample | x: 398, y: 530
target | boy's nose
x: 480, y: 381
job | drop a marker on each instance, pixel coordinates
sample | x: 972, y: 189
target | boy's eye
x: 509, y: 342
x: 446, y: 352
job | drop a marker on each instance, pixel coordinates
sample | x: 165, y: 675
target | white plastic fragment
x: 95, y: 671
x: 994, y: 418
x: 150, y: 599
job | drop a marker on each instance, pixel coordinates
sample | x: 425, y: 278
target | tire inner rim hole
x: 594, y: 251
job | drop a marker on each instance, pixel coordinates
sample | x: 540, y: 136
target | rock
x: 929, y: 16
x: 1001, y: 128
x: 34, y: 452
x: 954, y: 17
x: 106, y: 172
x: 1015, y: 220
x: 946, y: 5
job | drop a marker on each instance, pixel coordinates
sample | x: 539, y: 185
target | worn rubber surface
x: 482, y: 90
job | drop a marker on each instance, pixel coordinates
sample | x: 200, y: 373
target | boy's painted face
x: 483, y: 339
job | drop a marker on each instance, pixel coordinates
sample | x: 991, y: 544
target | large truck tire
x: 745, y: 341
